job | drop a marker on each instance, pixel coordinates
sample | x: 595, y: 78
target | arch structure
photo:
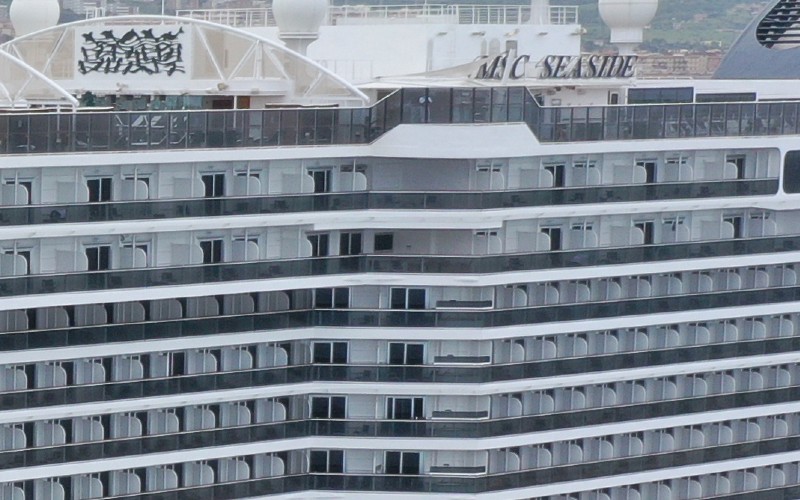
x: 22, y: 86
x: 769, y: 48
x: 164, y: 55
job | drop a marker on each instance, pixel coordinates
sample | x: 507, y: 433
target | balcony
x: 182, y: 130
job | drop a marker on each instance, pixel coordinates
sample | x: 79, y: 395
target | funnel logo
x: 134, y: 52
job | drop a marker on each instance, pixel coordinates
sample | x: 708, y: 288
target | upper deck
x: 398, y: 14
x: 55, y: 132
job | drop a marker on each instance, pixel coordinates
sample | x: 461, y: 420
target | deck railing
x: 42, y: 132
x: 380, y: 14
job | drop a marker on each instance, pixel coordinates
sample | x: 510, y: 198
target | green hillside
x: 679, y: 24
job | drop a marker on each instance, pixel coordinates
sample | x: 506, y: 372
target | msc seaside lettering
x: 594, y: 66
x: 558, y: 67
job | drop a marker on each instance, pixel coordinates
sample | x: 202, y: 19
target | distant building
x: 683, y: 63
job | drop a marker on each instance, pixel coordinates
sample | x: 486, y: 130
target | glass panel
x: 611, y: 123
x: 775, y: 123
x: 687, y: 121
x: 215, y: 134
x: 462, y: 106
x: 516, y: 96
x: 732, y: 120
x: 271, y: 131
x: 761, y: 121
x: 626, y: 115
x: 579, y: 119
x: 360, y: 126
x: 702, y: 120
x: 343, y: 126
x: 483, y: 98
x: 415, y: 105
x: 324, y: 130
x: 288, y: 134
x: 377, y: 120
x: 748, y: 112
x: 307, y: 126
x: 717, y: 120
x: 594, y: 130
x: 790, y: 118
x: 499, y: 104
x: 439, y: 105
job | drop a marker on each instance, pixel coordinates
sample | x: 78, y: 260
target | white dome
x: 299, y: 16
x: 28, y: 16
x: 628, y: 13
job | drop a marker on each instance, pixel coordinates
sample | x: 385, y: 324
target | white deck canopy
x: 176, y: 56
x: 22, y: 86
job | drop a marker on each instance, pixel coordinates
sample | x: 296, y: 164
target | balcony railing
x: 118, y: 279
x: 481, y: 483
x: 299, y: 374
x: 387, y: 14
x: 111, y: 131
x: 13, y: 215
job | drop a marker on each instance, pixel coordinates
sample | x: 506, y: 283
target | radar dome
x: 299, y: 17
x: 627, y: 18
x: 628, y: 13
x: 28, y: 16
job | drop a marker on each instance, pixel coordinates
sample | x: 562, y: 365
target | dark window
x: 328, y: 298
x: 731, y: 97
x: 736, y: 222
x: 25, y: 254
x: 326, y: 461
x: 99, y: 258
x: 407, y: 298
x: 646, y: 227
x: 739, y: 162
x: 319, y: 244
x: 661, y: 95
x: 99, y: 189
x: 384, y: 242
x: 557, y: 171
x: 406, y: 354
x: 328, y: 407
x: 350, y: 244
x: 649, y: 167
x: 214, y: 185
x: 402, y: 462
x: 330, y: 352
x: 404, y: 408
x: 28, y: 185
x: 555, y: 237
x: 791, y: 172
x: 212, y: 251
x: 322, y: 180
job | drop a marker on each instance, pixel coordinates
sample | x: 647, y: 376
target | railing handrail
x: 461, y: 13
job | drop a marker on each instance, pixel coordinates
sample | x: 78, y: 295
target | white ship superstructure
x: 226, y: 272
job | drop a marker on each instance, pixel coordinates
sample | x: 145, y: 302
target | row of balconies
x: 443, y: 361
x: 409, y: 471
x: 136, y: 376
x: 374, y: 200
x: 511, y: 296
x: 208, y: 316
x: 65, y: 186
x: 98, y: 253
x: 123, y: 434
x: 780, y: 480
